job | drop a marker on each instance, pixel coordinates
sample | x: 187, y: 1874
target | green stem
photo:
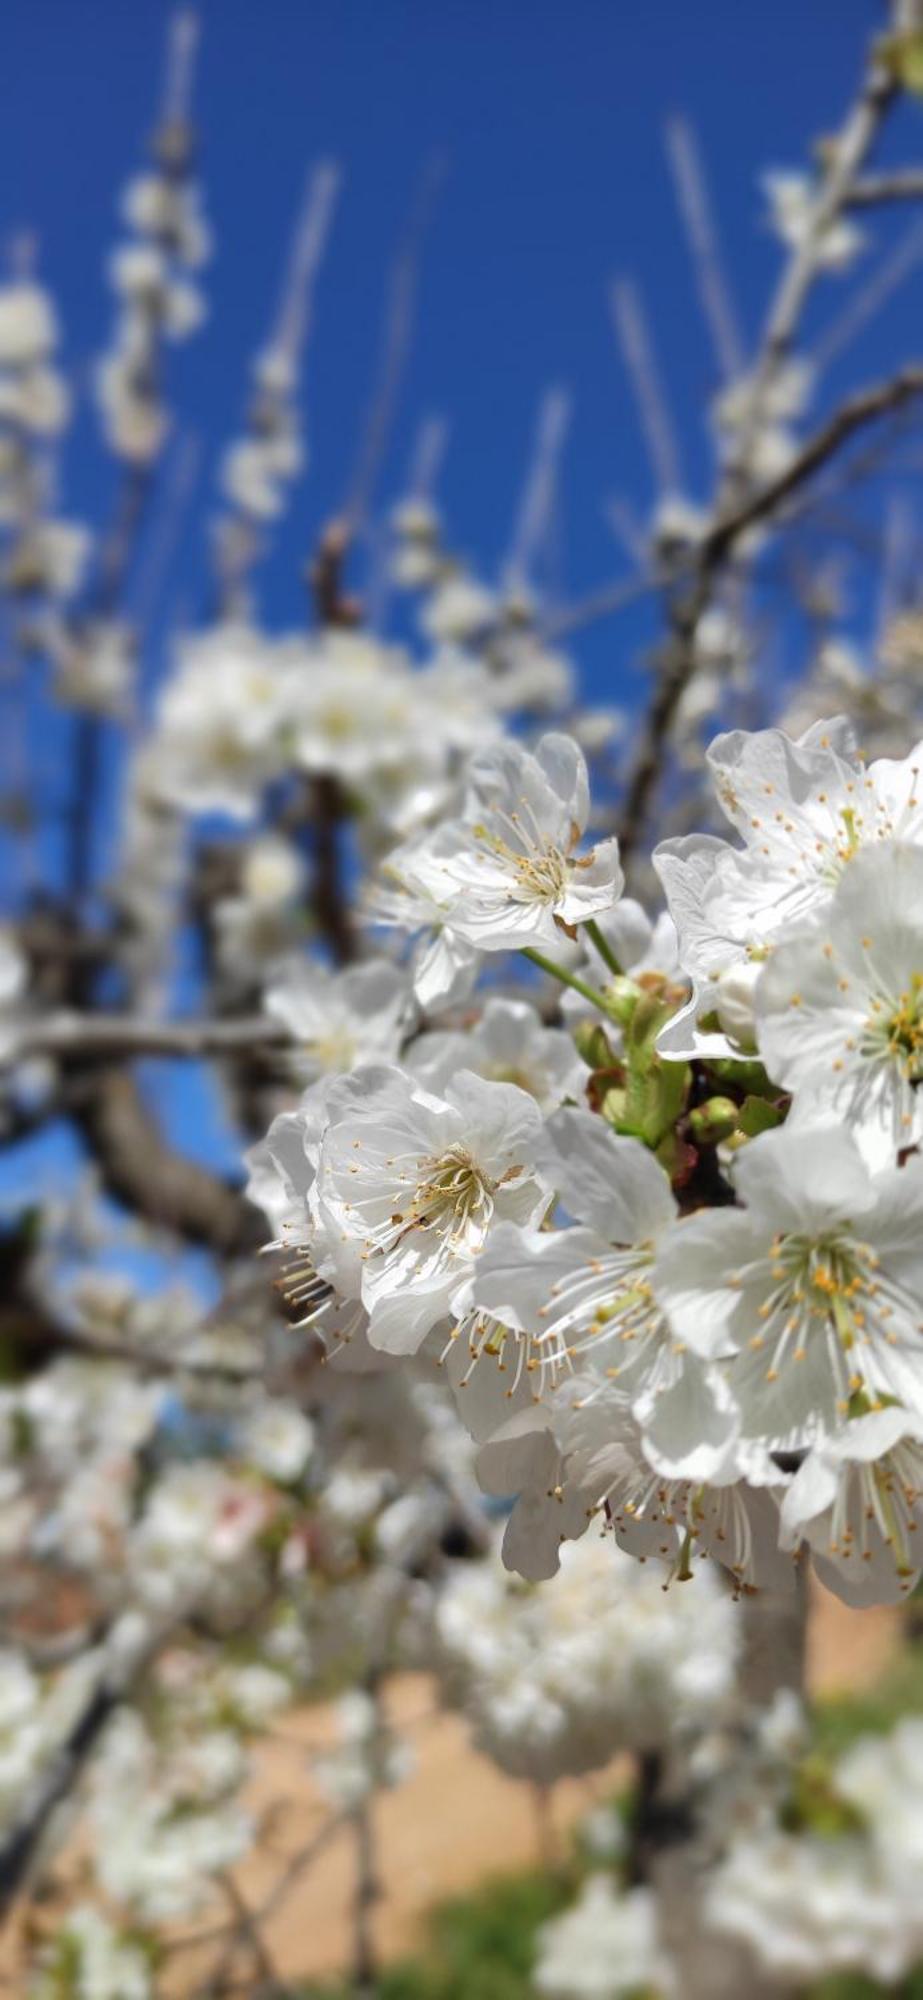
x: 567, y: 979
x: 605, y: 950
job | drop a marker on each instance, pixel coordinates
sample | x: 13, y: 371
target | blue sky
x: 551, y: 118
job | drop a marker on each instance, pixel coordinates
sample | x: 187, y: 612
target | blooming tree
x: 575, y: 1079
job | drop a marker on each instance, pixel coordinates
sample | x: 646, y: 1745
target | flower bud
x: 713, y: 1121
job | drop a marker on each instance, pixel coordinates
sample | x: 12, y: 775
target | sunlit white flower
x: 811, y: 1292
x: 220, y: 723
x: 510, y: 874
x: 368, y: 1757
x: 804, y: 810
x: 857, y: 1500
x: 458, y: 610
x: 445, y: 965
x: 808, y: 1906
x: 28, y: 332
x: 409, y: 1188
x: 840, y: 1008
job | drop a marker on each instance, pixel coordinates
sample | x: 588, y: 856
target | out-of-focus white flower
x: 22, y: 1739
x: 794, y: 205
x: 277, y: 1438
x: 13, y: 978
x: 28, y: 330
x: 509, y: 1043
x: 253, y: 1692
x: 605, y: 1947
x: 162, y: 1825
x: 458, y: 611
x: 808, y: 1907
x: 199, y: 1522
x: 219, y: 735
x: 368, y: 1757
x: 555, y: 1681
x: 338, y: 1020
x: 97, y: 1962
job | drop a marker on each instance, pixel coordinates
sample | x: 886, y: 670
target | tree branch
x: 906, y: 184
x: 75, y: 1036
x: 867, y: 406
x: 142, y: 1170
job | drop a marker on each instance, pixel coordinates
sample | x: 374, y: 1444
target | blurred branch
x: 633, y: 335
x: 398, y: 328
x: 904, y: 185
x: 22, y: 1847
x: 142, y: 1170
x: 846, y: 154
x: 863, y: 306
x: 93, y: 1035
x: 696, y: 211
x: 867, y: 406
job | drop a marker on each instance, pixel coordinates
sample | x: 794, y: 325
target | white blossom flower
x: 445, y: 964
x: 805, y: 810
x: 410, y: 1186
x: 809, y: 1906
x: 840, y: 1007
x: 811, y: 1292
x: 857, y: 1500
x: 367, y: 1758
x: 28, y: 331
x: 509, y: 875
x: 161, y: 1830
x: 881, y: 1778
x: 13, y: 979
x: 508, y: 1043
x: 458, y: 610
x: 22, y: 1737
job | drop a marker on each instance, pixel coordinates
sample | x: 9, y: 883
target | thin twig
x: 905, y: 184
x: 867, y: 406
x: 696, y: 210
x: 633, y: 334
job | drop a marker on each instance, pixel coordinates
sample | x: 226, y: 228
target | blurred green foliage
x: 482, y: 1946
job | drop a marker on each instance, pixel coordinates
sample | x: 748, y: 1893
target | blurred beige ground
x: 451, y: 1824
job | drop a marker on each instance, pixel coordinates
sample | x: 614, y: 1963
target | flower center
x: 538, y: 867
x: 898, y: 1034
x: 453, y: 1195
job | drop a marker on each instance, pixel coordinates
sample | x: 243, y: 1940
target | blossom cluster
x: 680, y: 1281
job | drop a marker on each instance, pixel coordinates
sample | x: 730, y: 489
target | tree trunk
x: 711, y: 1966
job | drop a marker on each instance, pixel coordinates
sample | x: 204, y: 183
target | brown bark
x: 142, y: 1170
